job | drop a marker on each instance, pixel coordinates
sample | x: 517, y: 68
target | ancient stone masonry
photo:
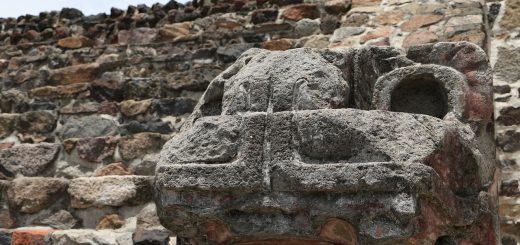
x: 343, y: 146
x: 87, y: 103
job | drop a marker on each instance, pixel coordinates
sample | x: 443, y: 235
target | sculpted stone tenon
x: 375, y: 145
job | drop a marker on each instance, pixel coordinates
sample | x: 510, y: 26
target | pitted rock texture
x: 75, y: 76
x: 284, y: 141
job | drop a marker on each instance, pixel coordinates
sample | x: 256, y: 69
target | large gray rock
x: 299, y: 144
x: 27, y: 159
x: 89, y: 126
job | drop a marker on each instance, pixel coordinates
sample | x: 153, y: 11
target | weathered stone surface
x: 377, y: 33
x: 389, y: 17
x: 154, y: 126
x: 28, y: 160
x: 96, y: 149
x: 307, y: 27
x: 509, y: 116
x: 66, y: 91
x: 77, y: 107
x: 30, y: 195
x: 264, y: 15
x: 356, y: 20
x: 278, y: 44
x: 339, y: 132
x: 509, y: 141
x: 110, y: 221
x: 418, y: 21
x: 474, y: 36
x: 7, y: 123
x: 464, y: 23
x: 89, y: 126
x: 300, y: 11
x: 344, y: 32
x: 117, y: 168
x: 511, y: 16
x: 84, y: 236
x: 174, y: 107
x: 74, y: 42
x: 132, y: 108
x: 337, y: 7
x: 506, y: 68
x: 419, y: 37
x: 111, y: 191
x: 83, y: 73
x: 36, y: 122
x: 137, y: 145
x: 62, y: 220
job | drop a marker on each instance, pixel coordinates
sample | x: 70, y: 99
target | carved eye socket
x: 422, y: 89
x: 421, y: 94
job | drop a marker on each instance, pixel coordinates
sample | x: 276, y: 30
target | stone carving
x: 375, y: 145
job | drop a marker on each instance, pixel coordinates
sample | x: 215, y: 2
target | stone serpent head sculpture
x: 374, y: 145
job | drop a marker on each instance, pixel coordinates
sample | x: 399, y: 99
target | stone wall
x: 88, y: 101
x: 504, y: 56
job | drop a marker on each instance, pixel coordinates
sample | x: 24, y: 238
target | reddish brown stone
x: 110, y: 221
x: 377, y: 33
x: 96, y: 149
x: 69, y: 144
x: 77, y: 90
x: 117, y: 168
x: 74, y: 42
x: 388, y: 18
x: 83, y: 73
x: 217, y: 231
x: 278, y: 44
x: 418, y: 21
x: 30, y: 236
x: 132, y: 108
x: 339, y: 232
x: 301, y: 11
x: 417, y: 38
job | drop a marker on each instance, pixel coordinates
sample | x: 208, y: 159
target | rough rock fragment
x: 30, y: 195
x: 27, y: 159
x: 111, y: 191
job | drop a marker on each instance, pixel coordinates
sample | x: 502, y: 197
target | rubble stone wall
x: 87, y: 102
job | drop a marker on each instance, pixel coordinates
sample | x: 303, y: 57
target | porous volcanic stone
x: 27, y: 159
x: 88, y: 126
x: 32, y: 194
x: 111, y: 191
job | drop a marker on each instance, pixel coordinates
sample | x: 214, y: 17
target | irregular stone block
x: 111, y: 191
x: 27, y: 159
x: 30, y: 195
x: 84, y: 236
x: 346, y: 146
x: 32, y: 235
x: 88, y: 126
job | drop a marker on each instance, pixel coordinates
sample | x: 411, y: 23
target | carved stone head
x: 337, y: 146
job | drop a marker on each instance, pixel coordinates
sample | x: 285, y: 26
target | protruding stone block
x: 375, y: 145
